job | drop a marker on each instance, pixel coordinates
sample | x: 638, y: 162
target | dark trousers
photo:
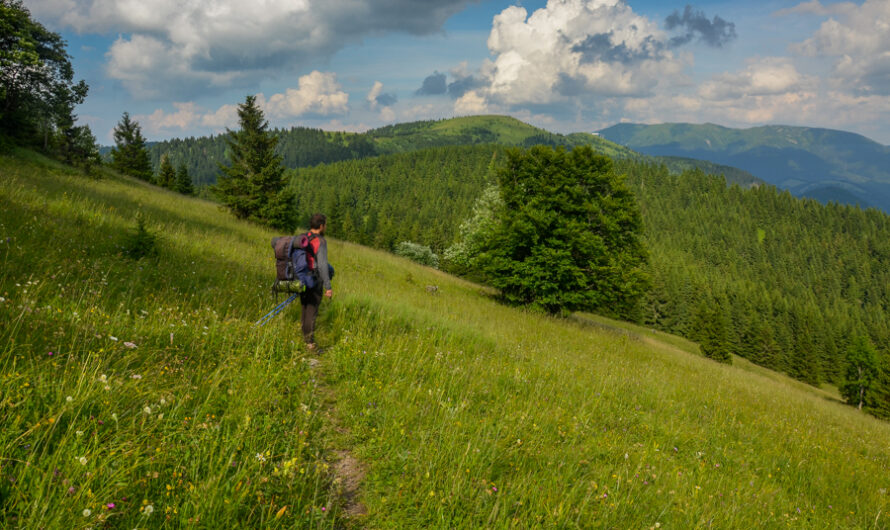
x: 310, y: 300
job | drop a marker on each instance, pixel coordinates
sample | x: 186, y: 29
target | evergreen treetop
x: 130, y: 156
x: 254, y: 186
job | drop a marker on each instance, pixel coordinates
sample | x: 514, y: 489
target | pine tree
x: 166, y: 173
x: 254, y: 185
x: 129, y: 156
x: 183, y: 181
x: 862, y: 372
x: 710, y: 326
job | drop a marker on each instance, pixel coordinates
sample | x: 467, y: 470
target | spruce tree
x: 568, y: 236
x: 166, y: 173
x: 183, y: 181
x: 254, y: 185
x: 862, y: 372
x: 130, y: 156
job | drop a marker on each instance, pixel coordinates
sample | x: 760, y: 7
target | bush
x: 419, y: 253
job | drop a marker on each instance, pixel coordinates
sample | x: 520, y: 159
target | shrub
x: 419, y: 253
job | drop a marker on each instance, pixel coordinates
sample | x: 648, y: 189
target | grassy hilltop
x: 138, y: 393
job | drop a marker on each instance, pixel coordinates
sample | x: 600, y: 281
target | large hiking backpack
x: 294, y: 257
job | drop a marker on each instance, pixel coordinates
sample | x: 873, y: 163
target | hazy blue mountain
x: 823, y: 164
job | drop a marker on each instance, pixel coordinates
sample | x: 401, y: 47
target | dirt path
x: 348, y: 471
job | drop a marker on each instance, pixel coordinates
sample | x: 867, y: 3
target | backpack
x: 294, y: 258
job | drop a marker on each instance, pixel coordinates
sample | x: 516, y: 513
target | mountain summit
x: 824, y: 164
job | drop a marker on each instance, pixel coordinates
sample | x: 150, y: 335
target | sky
x: 181, y: 67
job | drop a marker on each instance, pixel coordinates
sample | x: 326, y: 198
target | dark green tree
x: 129, y: 156
x: 568, y: 236
x: 77, y: 146
x: 183, y: 181
x: 37, y: 88
x: 166, y: 173
x: 862, y: 372
x: 254, y: 185
x: 711, y: 333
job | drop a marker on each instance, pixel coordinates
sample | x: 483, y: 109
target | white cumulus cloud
x: 174, y: 48
x: 859, y: 41
x: 318, y: 93
x: 762, y: 77
x: 572, y: 48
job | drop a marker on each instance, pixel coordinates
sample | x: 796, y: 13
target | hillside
x: 137, y: 392
x: 793, y: 280
x: 824, y: 164
x: 303, y: 147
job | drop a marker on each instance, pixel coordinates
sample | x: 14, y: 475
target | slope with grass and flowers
x: 138, y: 392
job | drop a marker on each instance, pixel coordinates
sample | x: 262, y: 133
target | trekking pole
x: 271, y: 314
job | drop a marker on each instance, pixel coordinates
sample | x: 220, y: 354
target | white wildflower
x: 82, y: 460
x: 163, y: 401
x: 69, y: 399
x: 148, y: 510
x: 112, y: 337
x: 136, y: 376
x: 260, y: 457
x: 114, y: 416
x: 147, y: 409
x: 87, y: 512
x: 129, y: 345
x: 103, y: 378
x: 79, y: 433
x: 107, y: 387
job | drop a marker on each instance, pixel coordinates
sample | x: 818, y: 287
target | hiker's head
x: 318, y: 222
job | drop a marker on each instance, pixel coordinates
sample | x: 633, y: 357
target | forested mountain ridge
x: 305, y: 147
x: 825, y: 164
x: 789, y: 281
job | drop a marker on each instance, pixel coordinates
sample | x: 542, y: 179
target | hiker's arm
x: 321, y: 263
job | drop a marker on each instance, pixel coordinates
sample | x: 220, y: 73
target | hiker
x: 310, y: 299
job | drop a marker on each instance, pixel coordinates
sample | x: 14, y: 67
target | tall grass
x: 465, y: 413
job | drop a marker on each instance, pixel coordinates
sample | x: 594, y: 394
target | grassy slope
x: 465, y: 413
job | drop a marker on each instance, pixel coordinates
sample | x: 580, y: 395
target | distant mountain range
x: 303, y: 147
x: 824, y: 164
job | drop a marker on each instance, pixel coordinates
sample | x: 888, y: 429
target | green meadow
x: 139, y: 393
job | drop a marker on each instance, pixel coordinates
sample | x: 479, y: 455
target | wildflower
x: 260, y: 457
x: 69, y: 399
x: 136, y: 376
x: 129, y: 345
x: 79, y: 433
x: 147, y: 410
x: 112, y: 337
x: 107, y: 387
x: 114, y: 416
x: 110, y: 505
x: 82, y: 460
x: 163, y: 401
x: 626, y: 456
x: 49, y: 353
x: 87, y: 512
x: 103, y: 378
x: 148, y: 510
